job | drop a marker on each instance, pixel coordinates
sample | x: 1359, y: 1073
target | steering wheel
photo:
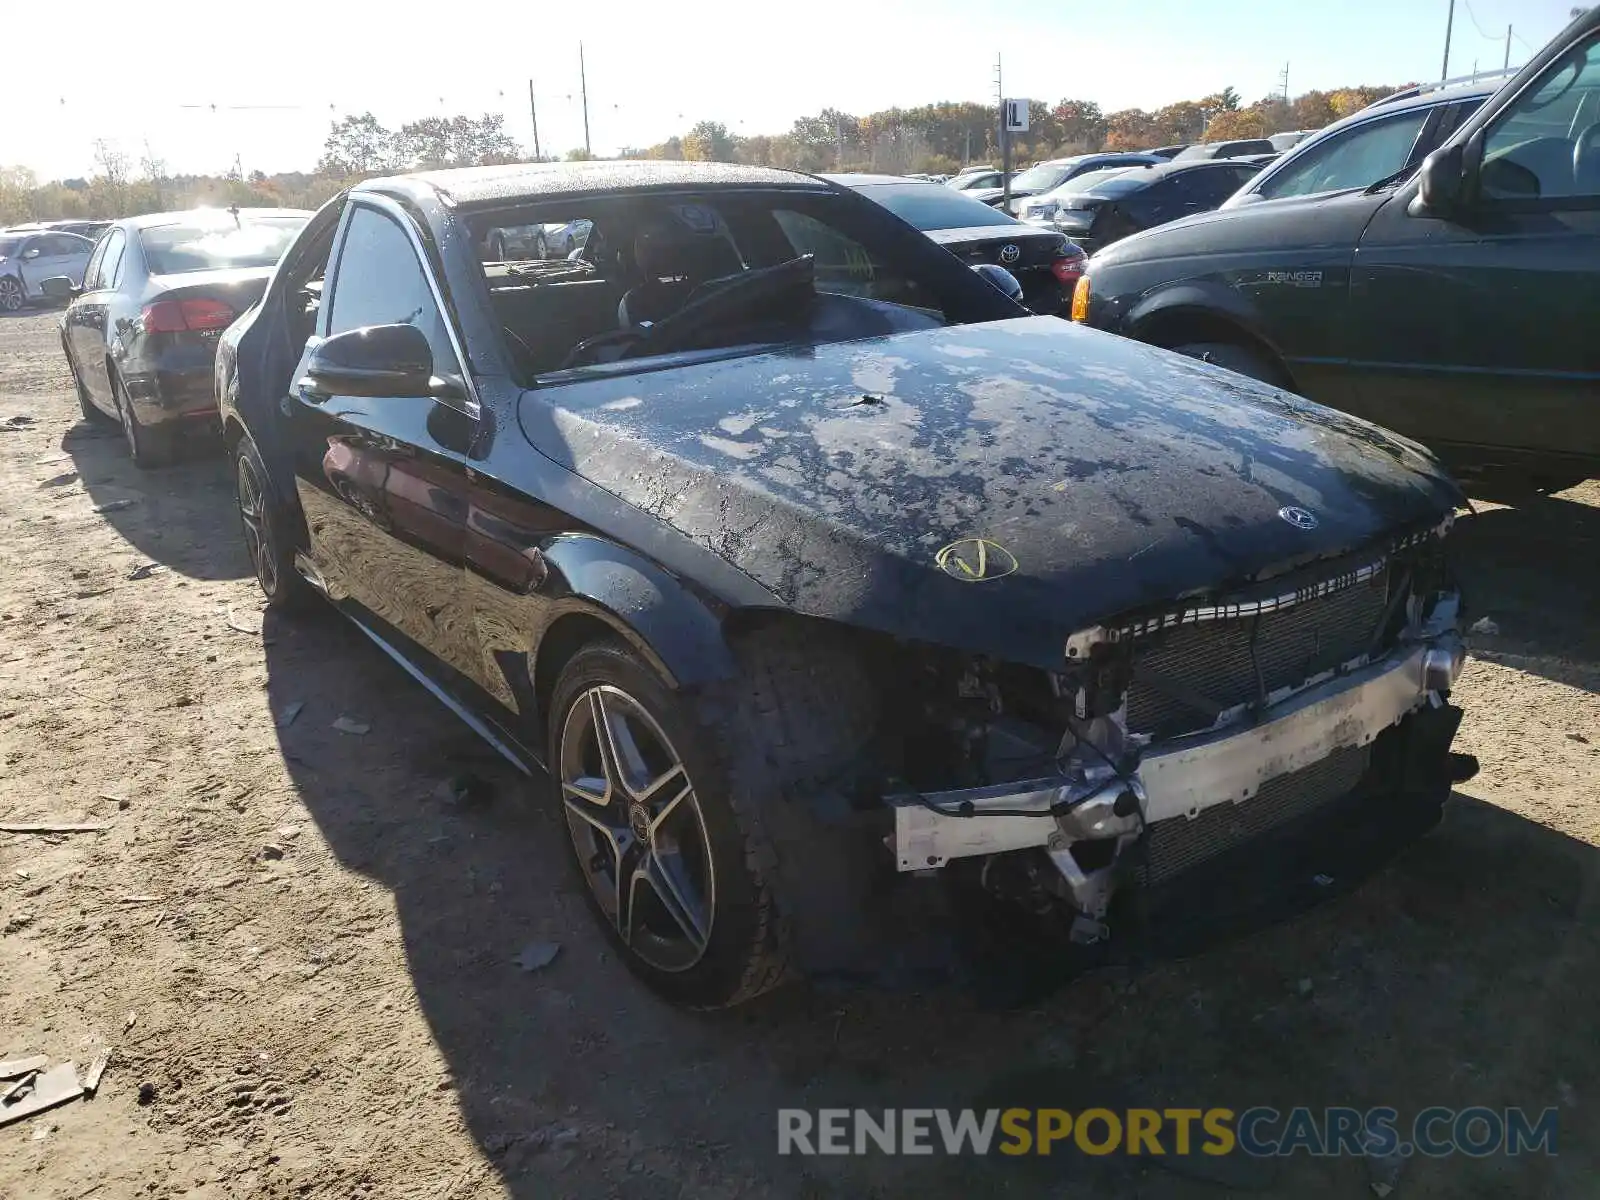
x: 584, y: 354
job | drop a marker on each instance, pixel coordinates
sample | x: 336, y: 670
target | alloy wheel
x: 637, y: 828
x: 257, y: 530
x: 11, y: 294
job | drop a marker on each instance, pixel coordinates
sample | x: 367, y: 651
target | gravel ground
x: 313, y: 946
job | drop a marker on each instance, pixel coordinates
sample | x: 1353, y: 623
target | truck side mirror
x: 1442, y: 182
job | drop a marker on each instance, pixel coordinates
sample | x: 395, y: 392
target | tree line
x: 928, y: 138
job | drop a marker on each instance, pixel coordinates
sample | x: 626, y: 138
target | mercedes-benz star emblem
x: 1300, y: 518
x: 1009, y: 254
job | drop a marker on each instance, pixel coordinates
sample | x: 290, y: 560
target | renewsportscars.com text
x: 1259, y: 1132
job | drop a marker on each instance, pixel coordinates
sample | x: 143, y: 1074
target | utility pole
x: 1283, y: 82
x: 838, y: 142
x: 1507, y: 64
x: 1005, y: 139
x: 1449, y: 27
x: 533, y: 112
x: 583, y: 85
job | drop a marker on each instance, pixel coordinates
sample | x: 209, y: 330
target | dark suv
x: 1450, y: 302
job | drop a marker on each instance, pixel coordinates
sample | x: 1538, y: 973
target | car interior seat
x: 675, y: 253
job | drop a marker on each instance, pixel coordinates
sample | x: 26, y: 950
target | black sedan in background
x: 1048, y: 176
x: 140, y: 334
x: 1097, y: 209
x: 1045, y: 263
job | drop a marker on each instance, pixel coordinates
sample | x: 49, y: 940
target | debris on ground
x: 128, y: 1024
x: 11, y: 1068
x: 97, y: 1068
x: 351, y: 725
x: 1484, y: 625
x: 241, y: 624
x: 464, y: 789
x: 48, y: 828
x: 536, y: 956
x: 145, y: 571
x: 288, y: 832
x: 147, y: 1092
x: 50, y: 1088
x: 290, y: 711
x: 111, y: 506
x: 272, y: 851
x: 17, y: 1085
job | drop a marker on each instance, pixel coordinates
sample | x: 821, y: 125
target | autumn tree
x: 357, y: 145
x: 1130, y: 129
x: 708, y: 141
x: 1235, y: 125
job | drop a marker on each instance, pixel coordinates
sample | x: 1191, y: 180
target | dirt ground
x: 315, y: 947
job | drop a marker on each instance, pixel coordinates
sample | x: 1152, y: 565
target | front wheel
x: 264, y: 525
x: 12, y: 295
x: 1241, y: 359
x: 668, y: 866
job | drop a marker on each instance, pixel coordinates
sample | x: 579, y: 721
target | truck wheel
x: 1235, y: 357
x: 681, y: 809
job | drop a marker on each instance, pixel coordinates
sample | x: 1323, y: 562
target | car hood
x: 1103, y: 476
x: 1305, y: 222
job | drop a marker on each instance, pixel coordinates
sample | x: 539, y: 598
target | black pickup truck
x: 1452, y: 301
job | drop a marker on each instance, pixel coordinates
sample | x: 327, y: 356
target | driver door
x: 1474, y: 330
x: 382, y: 481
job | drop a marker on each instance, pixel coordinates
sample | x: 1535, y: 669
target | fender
x: 1209, y: 296
x: 670, y: 624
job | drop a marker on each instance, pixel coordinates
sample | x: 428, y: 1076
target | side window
x: 845, y: 267
x: 91, y: 270
x: 111, y: 262
x: 1210, y: 187
x: 1547, y: 142
x: 380, y: 281
x: 59, y: 246
x: 1356, y: 158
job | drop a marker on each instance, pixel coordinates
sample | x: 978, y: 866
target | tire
x: 541, y: 248
x: 265, y: 526
x: 13, y: 297
x: 1237, y: 358
x: 85, y: 405
x: 146, y: 446
x: 745, y: 749
x: 497, y: 248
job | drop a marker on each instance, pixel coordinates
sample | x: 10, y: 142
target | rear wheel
x: 265, y: 527
x: 1242, y: 359
x: 146, y: 446
x: 12, y: 295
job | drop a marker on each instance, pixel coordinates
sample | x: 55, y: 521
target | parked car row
x: 1419, y: 264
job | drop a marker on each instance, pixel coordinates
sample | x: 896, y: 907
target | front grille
x: 1177, y: 844
x: 1219, y: 660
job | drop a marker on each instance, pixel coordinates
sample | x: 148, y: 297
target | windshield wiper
x: 1389, y: 181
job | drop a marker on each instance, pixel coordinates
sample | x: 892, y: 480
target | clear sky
x: 279, y: 70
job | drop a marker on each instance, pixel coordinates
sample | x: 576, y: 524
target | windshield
x: 218, y: 245
x: 1041, y: 178
x: 10, y: 245
x: 930, y: 206
x: 1118, y: 181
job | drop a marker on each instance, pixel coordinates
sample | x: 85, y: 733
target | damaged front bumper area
x: 1378, y: 730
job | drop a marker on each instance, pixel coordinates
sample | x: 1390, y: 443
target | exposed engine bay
x: 1184, y: 733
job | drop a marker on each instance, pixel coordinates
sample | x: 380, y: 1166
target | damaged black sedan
x: 818, y: 574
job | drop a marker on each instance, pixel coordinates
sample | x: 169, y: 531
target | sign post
x: 1013, y: 119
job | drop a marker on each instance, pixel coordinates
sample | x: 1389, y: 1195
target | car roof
x: 156, y: 220
x: 526, y: 181
x: 856, y: 179
x: 1165, y: 170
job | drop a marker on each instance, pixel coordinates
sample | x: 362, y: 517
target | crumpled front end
x: 1212, y: 735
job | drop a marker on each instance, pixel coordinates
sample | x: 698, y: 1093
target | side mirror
x: 376, y: 360
x: 1442, y: 182
x: 1000, y: 278
x: 59, y: 288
